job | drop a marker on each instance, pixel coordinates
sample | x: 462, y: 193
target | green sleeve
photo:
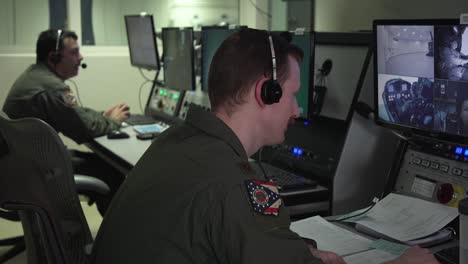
x: 241, y: 235
x: 78, y: 123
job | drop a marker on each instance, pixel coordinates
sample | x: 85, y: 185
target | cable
x: 139, y: 94
x: 77, y: 92
x: 260, y: 10
x: 375, y: 200
x: 146, y: 78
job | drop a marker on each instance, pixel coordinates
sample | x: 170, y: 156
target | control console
x: 165, y: 100
x: 436, y: 172
x: 299, y: 160
x: 193, y: 97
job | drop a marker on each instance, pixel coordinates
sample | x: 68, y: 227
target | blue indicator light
x: 306, y: 123
x: 299, y: 152
x: 459, y: 150
x: 295, y: 150
x: 466, y: 152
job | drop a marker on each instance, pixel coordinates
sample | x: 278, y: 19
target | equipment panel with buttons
x: 194, y: 97
x: 165, y: 100
x: 433, y: 177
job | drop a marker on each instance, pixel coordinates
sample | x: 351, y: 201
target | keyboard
x: 138, y: 119
x: 286, y: 181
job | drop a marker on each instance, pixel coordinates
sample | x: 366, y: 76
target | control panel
x: 306, y: 162
x: 193, y: 97
x: 165, y: 100
x: 439, y: 175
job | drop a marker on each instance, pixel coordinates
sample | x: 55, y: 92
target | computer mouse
x: 116, y: 134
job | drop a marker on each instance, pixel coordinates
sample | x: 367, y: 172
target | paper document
x: 374, y: 256
x: 406, y: 218
x: 330, y: 237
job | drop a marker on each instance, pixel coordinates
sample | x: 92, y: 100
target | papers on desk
x: 399, y: 217
x: 406, y: 218
x: 330, y: 237
x: 373, y: 256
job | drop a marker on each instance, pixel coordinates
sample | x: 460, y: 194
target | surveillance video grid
x: 423, y: 76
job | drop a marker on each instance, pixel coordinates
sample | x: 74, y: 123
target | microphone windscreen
x: 84, y: 65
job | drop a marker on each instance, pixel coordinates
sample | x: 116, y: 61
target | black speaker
x: 56, y: 57
x: 271, y: 89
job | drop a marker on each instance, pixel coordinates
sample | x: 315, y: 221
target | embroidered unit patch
x: 264, y: 196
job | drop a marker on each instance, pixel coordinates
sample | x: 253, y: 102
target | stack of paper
x: 406, y: 218
x: 330, y: 237
x: 399, y: 217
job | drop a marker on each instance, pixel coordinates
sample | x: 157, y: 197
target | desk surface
x: 122, y: 153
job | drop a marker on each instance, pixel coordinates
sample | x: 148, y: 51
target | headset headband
x: 273, y: 57
x: 59, y: 33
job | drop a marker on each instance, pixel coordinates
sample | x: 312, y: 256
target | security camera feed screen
x: 422, y: 74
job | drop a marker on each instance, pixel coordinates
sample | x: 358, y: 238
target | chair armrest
x: 90, y: 184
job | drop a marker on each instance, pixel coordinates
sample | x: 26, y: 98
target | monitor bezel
x: 192, y: 55
x: 156, y: 67
x: 354, y: 39
x: 405, y: 129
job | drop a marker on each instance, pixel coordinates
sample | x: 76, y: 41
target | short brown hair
x: 47, y: 42
x: 241, y: 60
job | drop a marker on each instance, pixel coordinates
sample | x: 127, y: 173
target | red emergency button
x: 445, y: 193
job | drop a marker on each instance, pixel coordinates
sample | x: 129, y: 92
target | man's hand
x: 326, y: 256
x: 119, y: 112
x: 415, y: 255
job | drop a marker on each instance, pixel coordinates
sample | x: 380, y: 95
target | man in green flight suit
x: 41, y: 92
x: 193, y: 197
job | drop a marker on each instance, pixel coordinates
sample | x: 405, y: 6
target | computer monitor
x: 211, y: 39
x: 142, y: 41
x: 339, y: 59
x: 178, y: 58
x: 421, y: 72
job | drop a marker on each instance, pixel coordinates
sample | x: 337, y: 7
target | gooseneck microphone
x: 84, y: 65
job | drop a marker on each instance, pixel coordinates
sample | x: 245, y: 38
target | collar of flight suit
x: 212, y: 125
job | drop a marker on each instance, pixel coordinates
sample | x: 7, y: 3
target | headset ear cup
x: 271, y: 92
x: 55, y: 58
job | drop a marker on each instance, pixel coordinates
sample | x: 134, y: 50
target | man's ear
x: 258, y: 91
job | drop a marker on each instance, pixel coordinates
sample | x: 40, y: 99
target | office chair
x: 37, y: 183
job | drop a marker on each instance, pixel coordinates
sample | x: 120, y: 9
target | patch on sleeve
x: 264, y: 197
x: 69, y: 98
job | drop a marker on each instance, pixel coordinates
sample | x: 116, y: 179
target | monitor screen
x: 422, y: 77
x: 142, y: 41
x: 346, y: 54
x: 178, y: 58
x: 211, y: 39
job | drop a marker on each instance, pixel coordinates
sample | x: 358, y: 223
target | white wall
x: 279, y: 12
x: 343, y: 15
x: 250, y: 16
x: 108, y: 21
x: 22, y: 20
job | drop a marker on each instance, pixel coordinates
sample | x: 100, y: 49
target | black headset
x: 56, y: 56
x: 271, y: 89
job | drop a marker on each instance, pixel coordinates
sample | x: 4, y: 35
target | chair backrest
x: 36, y: 180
